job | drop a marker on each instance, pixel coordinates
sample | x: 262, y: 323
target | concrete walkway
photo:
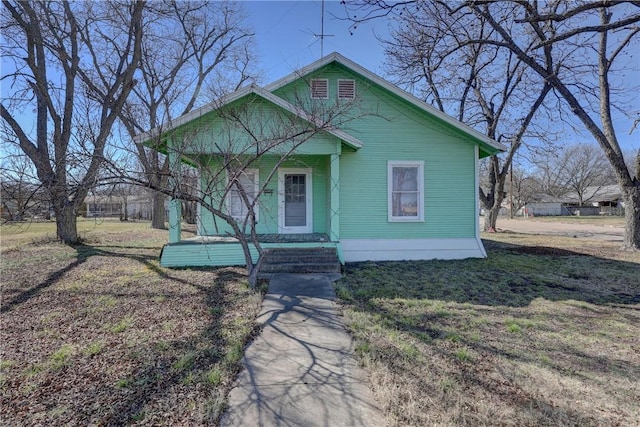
x: 300, y: 370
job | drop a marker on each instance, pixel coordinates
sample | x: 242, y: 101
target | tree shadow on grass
x: 483, y: 322
x: 180, y: 362
x: 83, y: 253
x: 512, y: 275
x: 51, y: 280
x: 185, y: 362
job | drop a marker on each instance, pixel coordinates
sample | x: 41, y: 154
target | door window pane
x: 295, y: 200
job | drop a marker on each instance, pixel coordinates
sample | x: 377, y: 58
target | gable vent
x: 319, y: 88
x: 346, y: 89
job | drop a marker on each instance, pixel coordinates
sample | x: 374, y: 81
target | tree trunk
x: 66, y: 226
x: 493, y: 202
x: 125, y: 208
x: 491, y: 217
x: 254, y: 270
x: 157, y: 215
x: 632, y: 217
x: 190, y: 210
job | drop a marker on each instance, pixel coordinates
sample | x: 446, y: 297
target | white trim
x: 352, y: 141
x: 336, y: 57
x: 199, y: 225
x: 420, y: 202
x: 303, y: 72
x: 308, y: 228
x: 356, y: 250
x: 476, y: 175
x: 256, y: 186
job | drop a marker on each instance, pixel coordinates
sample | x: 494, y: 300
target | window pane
x: 247, y: 183
x: 405, y: 179
x: 405, y: 186
x: 405, y: 204
x: 236, y: 205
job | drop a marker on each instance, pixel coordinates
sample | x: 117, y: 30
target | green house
x: 370, y: 170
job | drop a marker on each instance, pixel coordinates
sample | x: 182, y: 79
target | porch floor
x: 263, y: 238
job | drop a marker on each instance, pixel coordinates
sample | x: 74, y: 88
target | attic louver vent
x: 319, y: 88
x: 346, y: 89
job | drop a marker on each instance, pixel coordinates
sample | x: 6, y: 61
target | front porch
x: 220, y: 251
x: 263, y: 238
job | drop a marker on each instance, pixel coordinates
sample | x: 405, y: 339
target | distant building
x: 543, y: 204
x: 103, y: 206
x: 138, y: 206
x: 598, y: 200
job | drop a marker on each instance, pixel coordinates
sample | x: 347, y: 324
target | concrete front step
x: 285, y: 251
x: 301, y: 260
x: 301, y: 268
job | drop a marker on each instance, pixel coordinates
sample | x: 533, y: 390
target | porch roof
x: 162, y: 131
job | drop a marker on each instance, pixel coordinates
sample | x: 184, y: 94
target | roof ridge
x: 297, y: 74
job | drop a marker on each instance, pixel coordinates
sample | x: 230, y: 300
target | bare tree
x: 487, y: 87
x: 21, y: 195
x: 574, y: 47
x: 573, y: 168
x: 226, y: 148
x: 58, y: 51
x: 188, y: 49
x: 549, y: 165
x: 585, y: 166
x: 523, y: 188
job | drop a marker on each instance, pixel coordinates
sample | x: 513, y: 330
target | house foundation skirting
x: 355, y: 250
x: 222, y: 253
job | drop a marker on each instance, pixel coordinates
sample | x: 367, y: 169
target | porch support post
x: 175, y: 205
x: 334, y: 193
x: 175, y: 216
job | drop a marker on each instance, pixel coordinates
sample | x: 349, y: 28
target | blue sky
x: 285, y: 36
x: 285, y: 42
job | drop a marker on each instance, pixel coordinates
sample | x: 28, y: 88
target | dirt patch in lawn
x: 100, y: 334
x: 542, y: 332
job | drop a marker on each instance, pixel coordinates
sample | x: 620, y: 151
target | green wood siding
x: 393, y: 129
x: 192, y: 254
x: 210, y: 133
x: 268, y: 215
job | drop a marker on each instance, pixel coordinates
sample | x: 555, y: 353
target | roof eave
x: 143, y: 138
x: 192, y: 115
x: 334, y: 56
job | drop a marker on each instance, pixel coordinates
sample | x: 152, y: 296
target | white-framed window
x: 405, y: 187
x: 319, y: 89
x: 249, y: 181
x: 346, y: 89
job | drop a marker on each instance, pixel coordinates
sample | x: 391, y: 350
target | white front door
x: 294, y: 201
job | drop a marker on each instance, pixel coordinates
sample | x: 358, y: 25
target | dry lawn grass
x: 545, y: 332
x: 604, y: 221
x: 100, y: 334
